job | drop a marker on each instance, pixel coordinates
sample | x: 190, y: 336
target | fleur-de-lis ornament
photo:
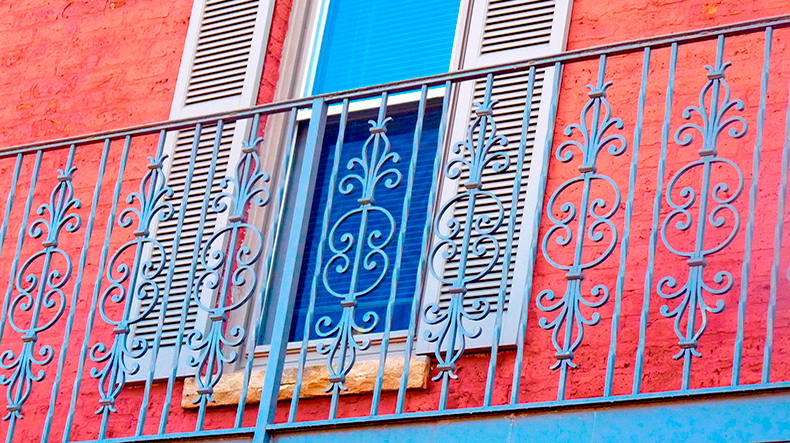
x: 472, y: 236
x: 592, y: 218
x: 358, y: 253
x: 715, y: 208
x: 230, y: 275
x: 130, y: 283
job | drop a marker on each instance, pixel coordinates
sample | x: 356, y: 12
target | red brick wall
x: 94, y: 65
x: 75, y: 67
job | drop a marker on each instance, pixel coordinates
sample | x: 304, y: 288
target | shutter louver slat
x: 516, y: 24
x: 223, y: 48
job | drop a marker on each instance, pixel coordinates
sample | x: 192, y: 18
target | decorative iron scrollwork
x: 713, y: 112
x: 228, y: 258
x: 473, y: 236
x: 359, y: 250
x: 595, y: 122
x: 40, y: 293
x: 128, y: 284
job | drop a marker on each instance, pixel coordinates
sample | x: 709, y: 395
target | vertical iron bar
x: 20, y: 241
x: 75, y: 293
x: 426, y: 240
x: 365, y: 214
x: 511, y: 229
x: 97, y: 286
x: 629, y: 209
x: 374, y: 409
x: 4, y: 230
x: 171, y: 270
x: 533, y: 246
x: 283, y: 176
x: 319, y: 257
x: 662, y: 164
x: 299, y: 210
x: 778, y: 233
x: 749, y: 234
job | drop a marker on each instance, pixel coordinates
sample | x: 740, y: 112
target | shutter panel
x: 502, y: 31
x: 220, y: 71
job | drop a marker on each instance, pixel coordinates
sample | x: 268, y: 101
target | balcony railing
x: 640, y: 253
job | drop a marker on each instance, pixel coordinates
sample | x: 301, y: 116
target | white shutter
x: 502, y: 31
x: 220, y: 71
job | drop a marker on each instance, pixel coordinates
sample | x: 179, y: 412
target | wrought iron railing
x: 655, y: 236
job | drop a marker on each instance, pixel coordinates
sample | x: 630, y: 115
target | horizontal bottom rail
x: 554, y: 406
x: 758, y: 414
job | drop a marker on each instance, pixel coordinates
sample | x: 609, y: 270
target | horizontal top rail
x: 655, y: 42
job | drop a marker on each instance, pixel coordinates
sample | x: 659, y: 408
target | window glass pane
x: 368, y: 42
x: 400, y: 132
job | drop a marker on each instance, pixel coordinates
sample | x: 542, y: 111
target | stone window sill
x: 360, y: 381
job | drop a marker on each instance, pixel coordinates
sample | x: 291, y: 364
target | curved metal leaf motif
x: 228, y: 258
x: 40, y: 293
x: 130, y: 283
x: 358, y: 251
x: 473, y: 238
x: 714, y: 104
x: 592, y: 219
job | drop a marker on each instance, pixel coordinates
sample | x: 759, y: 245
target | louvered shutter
x: 502, y: 31
x: 220, y: 71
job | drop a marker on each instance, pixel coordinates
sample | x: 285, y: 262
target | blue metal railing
x: 89, y: 211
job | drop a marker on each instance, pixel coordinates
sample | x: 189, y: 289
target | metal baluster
x: 4, y: 231
x: 747, y: 255
x: 475, y: 155
x: 130, y: 284
x: 651, y: 258
x: 232, y: 267
x: 595, y: 140
x: 191, y: 278
x: 40, y: 292
x: 777, y: 255
x: 171, y: 270
x: 629, y: 209
x: 75, y: 294
x: 533, y: 246
x: 401, y: 239
x: 692, y: 293
x: 426, y: 241
x: 511, y: 229
x: 274, y: 231
x: 373, y: 166
x: 97, y: 286
x: 20, y: 241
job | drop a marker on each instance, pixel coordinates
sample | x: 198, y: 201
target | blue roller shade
x: 368, y: 42
x: 401, y: 135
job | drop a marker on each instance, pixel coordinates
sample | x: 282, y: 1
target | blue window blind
x: 400, y: 132
x: 368, y: 42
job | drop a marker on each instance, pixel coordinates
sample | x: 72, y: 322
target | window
x: 362, y: 43
x: 488, y: 32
